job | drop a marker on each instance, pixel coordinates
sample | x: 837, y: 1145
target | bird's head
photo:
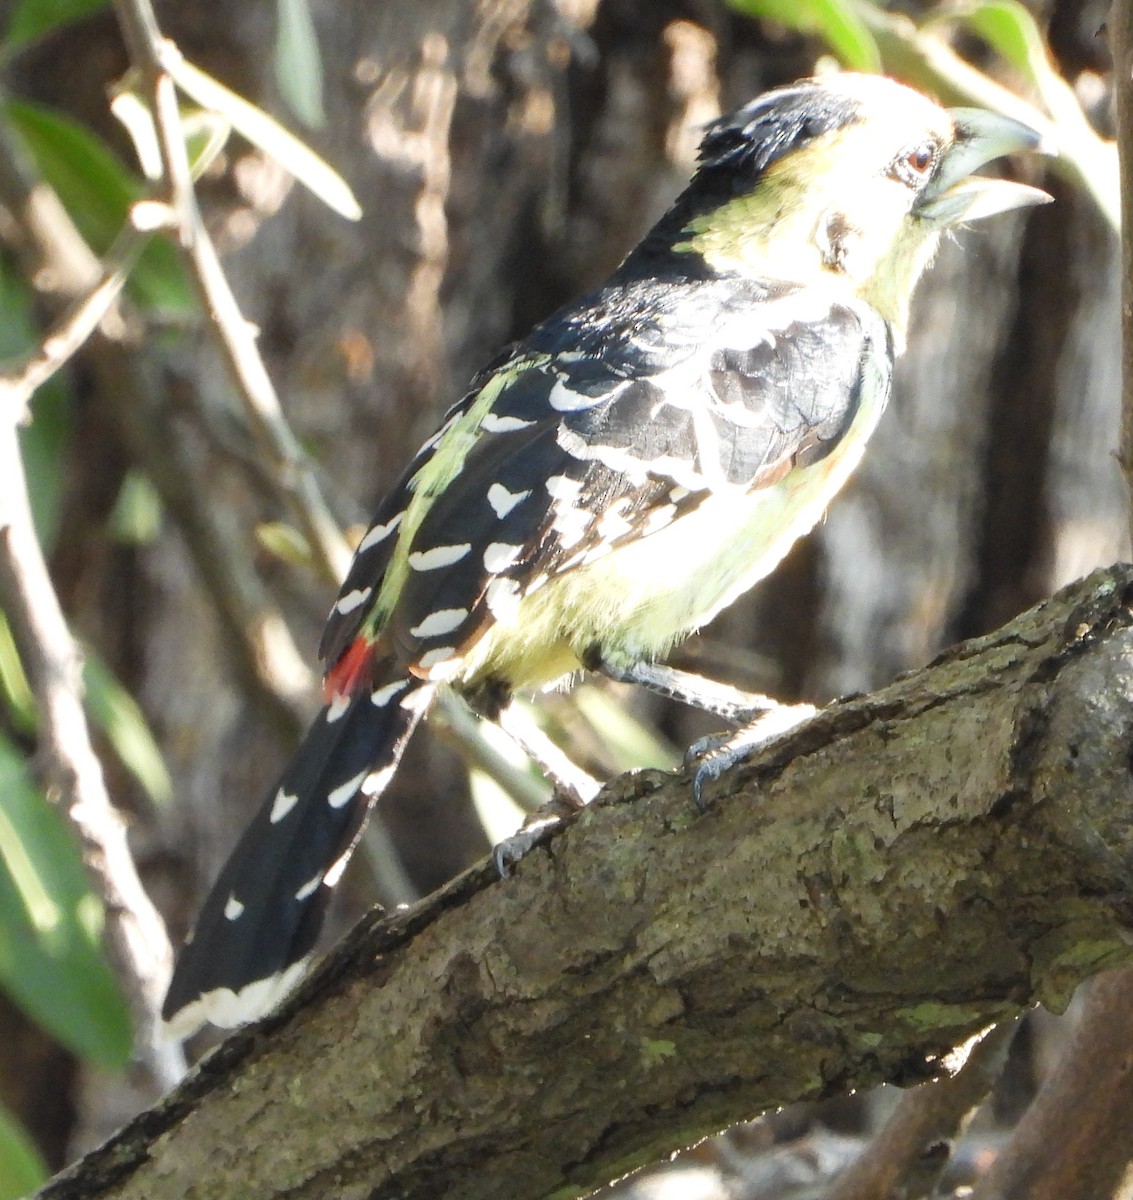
x: 846, y: 180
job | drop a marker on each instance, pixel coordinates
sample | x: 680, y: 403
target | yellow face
x: 840, y: 210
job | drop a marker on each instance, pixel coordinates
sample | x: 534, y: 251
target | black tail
x: 258, y: 925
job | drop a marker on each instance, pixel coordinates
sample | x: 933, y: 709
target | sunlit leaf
x: 284, y: 542
x: 21, y: 1168
x: 34, y: 18
x: 51, y: 961
x: 298, y: 66
x: 98, y: 191
x: 135, y: 518
x: 265, y: 132
x: 835, y: 21
x: 116, y: 713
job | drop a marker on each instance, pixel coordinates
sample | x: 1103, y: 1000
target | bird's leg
x: 574, y: 788
x: 571, y: 783
x: 720, y: 699
x: 760, y: 718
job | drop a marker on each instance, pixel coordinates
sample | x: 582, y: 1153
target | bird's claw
x: 507, y: 853
x: 711, y: 756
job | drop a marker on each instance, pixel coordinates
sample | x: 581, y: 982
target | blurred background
x: 505, y: 154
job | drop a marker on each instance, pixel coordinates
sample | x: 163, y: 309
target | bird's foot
x: 535, y: 830
x: 712, y: 756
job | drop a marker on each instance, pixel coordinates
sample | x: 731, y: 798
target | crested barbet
x: 613, y: 480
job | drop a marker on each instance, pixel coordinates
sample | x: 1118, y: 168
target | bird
x: 614, y: 479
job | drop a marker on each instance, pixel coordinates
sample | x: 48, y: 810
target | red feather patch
x: 353, y: 672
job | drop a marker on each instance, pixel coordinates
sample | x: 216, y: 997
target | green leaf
x: 205, y: 133
x: 135, y: 519
x: 21, y: 1168
x: 33, y: 18
x: 51, y: 960
x: 14, y: 683
x: 118, y: 716
x: 298, y: 67
x: 285, y: 542
x: 265, y: 132
x: 97, y: 192
x: 1011, y: 30
x: 835, y: 21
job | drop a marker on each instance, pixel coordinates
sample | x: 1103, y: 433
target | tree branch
x: 135, y: 933
x: 868, y: 892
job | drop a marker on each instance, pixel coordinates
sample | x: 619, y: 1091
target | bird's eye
x: 913, y: 166
x: 920, y: 159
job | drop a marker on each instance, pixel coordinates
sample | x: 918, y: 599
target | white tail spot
x: 232, y: 908
x: 352, y: 600
x: 384, y: 695
x: 309, y: 888
x: 284, y: 802
x: 345, y: 792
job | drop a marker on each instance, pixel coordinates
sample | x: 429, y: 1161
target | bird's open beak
x: 955, y: 194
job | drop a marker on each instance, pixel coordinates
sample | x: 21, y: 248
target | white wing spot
x: 499, y: 556
x: 562, y: 487
x: 309, y: 888
x: 352, y: 600
x: 439, y: 556
x: 571, y: 525
x: 345, y: 792
x: 232, y: 908
x: 434, y: 657
x: 613, y: 525
x: 494, y: 423
x: 284, y: 802
x: 503, y: 501
x: 443, y: 621
x: 383, y: 695
x: 563, y: 398
x: 378, y: 533
x: 678, y: 493
x: 337, y: 707
x: 503, y: 597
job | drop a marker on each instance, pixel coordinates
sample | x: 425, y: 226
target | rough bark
x: 863, y: 896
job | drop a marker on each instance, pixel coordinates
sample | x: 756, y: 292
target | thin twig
x: 19, y: 382
x: 235, y: 336
x: 136, y: 936
x: 1074, y: 1140
x: 913, y: 1148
